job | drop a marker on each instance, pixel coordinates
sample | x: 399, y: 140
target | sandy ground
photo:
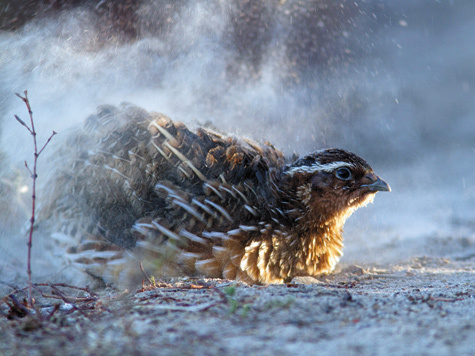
x: 425, y: 306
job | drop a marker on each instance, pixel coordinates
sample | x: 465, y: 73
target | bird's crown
x: 327, y: 160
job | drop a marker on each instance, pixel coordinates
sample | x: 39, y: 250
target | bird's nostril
x: 369, y: 178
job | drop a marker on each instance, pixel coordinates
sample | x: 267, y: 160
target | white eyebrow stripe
x: 317, y: 167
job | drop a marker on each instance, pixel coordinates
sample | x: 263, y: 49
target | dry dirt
x: 426, y: 307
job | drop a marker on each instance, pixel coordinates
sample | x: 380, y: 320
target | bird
x: 136, y: 188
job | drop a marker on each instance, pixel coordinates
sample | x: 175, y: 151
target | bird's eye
x: 343, y: 173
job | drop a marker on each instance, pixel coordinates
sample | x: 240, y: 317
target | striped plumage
x: 142, y: 188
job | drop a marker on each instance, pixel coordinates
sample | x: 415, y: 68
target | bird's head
x: 330, y: 184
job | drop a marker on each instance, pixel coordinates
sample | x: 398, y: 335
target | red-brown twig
x: 34, y: 175
x: 20, y: 308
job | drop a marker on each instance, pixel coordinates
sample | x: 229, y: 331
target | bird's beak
x: 376, y: 184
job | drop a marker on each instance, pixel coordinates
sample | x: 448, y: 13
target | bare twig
x: 34, y: 175
x: 19, y: 308
x: 145, y: 274
x: 23, y: 123
x: 49, y: 139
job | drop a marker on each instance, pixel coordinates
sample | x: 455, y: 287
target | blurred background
x: 393, y: 81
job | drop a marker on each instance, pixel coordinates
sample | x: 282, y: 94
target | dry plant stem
x: 34, y: 175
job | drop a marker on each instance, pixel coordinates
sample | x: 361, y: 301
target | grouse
x: 136, y: 187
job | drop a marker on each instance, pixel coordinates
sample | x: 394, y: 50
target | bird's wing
x: 132, y: 178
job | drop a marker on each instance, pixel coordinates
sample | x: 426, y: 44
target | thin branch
x: 34, y: 176
x: 29, y: 170
x: 145, y: 273
x: 22, y: 98
x: 19, y: 306
x: 22, y: 122
x: 49, y: 139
